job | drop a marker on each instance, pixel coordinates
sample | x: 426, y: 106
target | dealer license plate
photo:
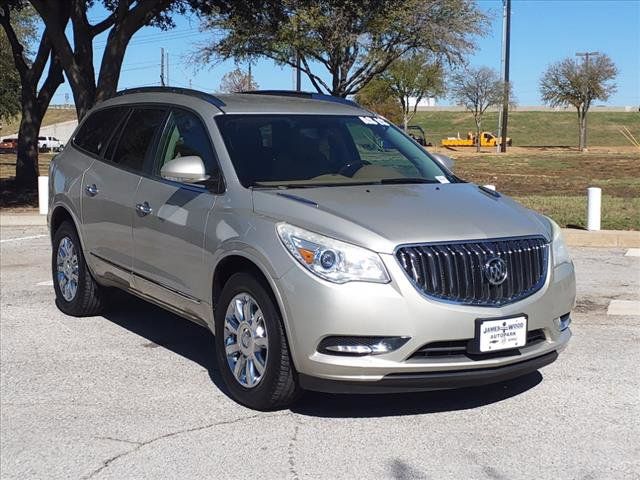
x: 502, y: 334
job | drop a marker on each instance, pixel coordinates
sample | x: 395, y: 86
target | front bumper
x: 420, y: 382
x: 314, y: 309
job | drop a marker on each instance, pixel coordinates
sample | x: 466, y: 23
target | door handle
x: 92, y: 190
x: 143, y: 209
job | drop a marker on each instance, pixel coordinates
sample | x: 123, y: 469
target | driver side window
x: 185, y: 135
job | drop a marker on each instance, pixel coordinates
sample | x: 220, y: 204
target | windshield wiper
x: 392, y: 181
x: 284, y: 186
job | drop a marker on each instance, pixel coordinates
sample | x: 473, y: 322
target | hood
x: 381, y: 217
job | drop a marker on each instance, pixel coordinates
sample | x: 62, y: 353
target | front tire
x: 251, y: 346
x: 77, y: 293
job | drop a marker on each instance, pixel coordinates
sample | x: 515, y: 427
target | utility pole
x: 506, y: 50
x: 585, y: 89
x: 168, y: 69
x: 162, y: 67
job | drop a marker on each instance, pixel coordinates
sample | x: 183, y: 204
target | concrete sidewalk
x: 574, y: 237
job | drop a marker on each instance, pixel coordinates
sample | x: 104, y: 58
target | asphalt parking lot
x: 136, y: 394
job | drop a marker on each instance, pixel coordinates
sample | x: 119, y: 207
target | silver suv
x: 324, y: 248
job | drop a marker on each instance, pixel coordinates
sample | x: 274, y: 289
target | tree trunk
x: 405, y: 121
x: 27, y: 161
x: 583, y: 132
x: 478, y: 127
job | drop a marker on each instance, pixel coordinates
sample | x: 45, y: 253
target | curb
x: 574, y: 238
x: 23, y: 220
x: 601, y: 238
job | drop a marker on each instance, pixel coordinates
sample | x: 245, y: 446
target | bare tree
x: 477, y: 89
x: 238, y: 81
x: 569, y: 82
x: 410, y: 80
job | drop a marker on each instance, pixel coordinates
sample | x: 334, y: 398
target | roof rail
x: 183, y: 91
x: 307, y: 95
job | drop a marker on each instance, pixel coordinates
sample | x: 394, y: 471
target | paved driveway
x: 136, y: 394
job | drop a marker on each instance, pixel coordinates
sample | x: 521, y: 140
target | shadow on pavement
x: 195, y: 343
x: 166, y: 330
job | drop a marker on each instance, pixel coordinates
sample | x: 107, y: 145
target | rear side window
x: 137, y: 137
x: 96, y: 130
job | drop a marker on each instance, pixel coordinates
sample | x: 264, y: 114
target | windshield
x: 324, y: 150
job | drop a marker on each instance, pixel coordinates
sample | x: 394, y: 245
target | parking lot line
x: 624, y: 307
x: 30, y: 237
x: 633, y: 252
x: 46, y: 283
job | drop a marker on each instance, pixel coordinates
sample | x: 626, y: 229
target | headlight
x: 560, y: 251
x: 331, y: 259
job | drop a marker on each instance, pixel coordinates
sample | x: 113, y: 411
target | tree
x: 477, y: 89
x: 353, y: 40
x: 410, y: 80
x: 569, y: 82
x: 238, y: 81
x: 125, y: 17
x: 35, y: 92
x: 378, y: 97
x: 24, y: 26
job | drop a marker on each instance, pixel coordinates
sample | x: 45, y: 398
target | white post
x: 594, y: 204
x: 490, y: 187
x: 43, y: 194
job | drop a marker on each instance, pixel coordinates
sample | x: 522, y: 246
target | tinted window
x: 113, y: 143
x: 135, y: 142
x: 96, y: 130
x: 272, y: 150
x: 185, y: 135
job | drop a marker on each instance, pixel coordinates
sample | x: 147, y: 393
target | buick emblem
x: 495, y: 269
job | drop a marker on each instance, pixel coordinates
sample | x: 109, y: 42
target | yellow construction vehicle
x: 487, y: 139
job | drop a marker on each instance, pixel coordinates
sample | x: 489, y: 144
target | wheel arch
x: 236, y: 262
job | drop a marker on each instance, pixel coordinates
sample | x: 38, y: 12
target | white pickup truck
x: 46, y: 144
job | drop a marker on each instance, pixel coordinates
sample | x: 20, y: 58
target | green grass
x: 542, y: 128
x: 617, y: 213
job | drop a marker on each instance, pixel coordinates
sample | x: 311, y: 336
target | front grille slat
x: 455, y: 272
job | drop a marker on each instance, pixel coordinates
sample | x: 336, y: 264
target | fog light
x: 563, y: 322
x: 359, y: 346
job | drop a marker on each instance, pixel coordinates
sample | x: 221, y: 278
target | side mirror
x: 189, y: 169
x: 444, y: 160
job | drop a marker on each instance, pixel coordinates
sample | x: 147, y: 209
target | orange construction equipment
x: 487, y: 139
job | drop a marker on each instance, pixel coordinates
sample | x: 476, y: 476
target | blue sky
x: 543, y: 31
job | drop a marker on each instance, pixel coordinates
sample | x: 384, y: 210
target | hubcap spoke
x: 258, y: 365
x: 245, y: 340
x: 239, y: 313
x: 240, y: 364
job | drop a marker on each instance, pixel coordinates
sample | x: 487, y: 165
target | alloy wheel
x: 245, y: 340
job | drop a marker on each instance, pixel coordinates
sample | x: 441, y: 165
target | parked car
x: 49, y: 144
x: 9, y: 145
x: 324, y: 248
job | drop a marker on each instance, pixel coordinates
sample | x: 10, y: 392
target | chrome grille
x: 455, y: 272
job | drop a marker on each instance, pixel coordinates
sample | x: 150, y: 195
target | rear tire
x: 77, y: 293
x: 246, y: 306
